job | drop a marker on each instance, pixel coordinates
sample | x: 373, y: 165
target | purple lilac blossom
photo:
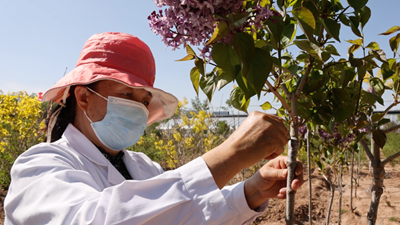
x: 192, y: 21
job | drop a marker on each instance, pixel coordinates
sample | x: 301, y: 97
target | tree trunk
x: 358, y: 172
x: 351, y: 180
x: 293, y: 148
x: 377, y: 185
x: 309, y: 178
x: 340, y: 195
x: 330, y: 202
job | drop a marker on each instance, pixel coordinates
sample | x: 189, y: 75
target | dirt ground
x: 389, y: 207
x: 388, y: 212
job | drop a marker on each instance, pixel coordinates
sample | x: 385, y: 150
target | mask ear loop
x: 54, y: 116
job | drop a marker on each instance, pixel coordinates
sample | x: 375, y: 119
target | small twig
x: 341, y: 13
x: 283, y: 101
x: 390, y: 158
x: 367, y: 150
x: 283, y: 85
x: 303, y: 79
x: 391, y: 106
x: 391, y: 129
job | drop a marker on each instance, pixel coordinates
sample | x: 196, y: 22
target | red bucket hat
x: 122, y: 58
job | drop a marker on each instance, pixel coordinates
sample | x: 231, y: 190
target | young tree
x: 254, y: 43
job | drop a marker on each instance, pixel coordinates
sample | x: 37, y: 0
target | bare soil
x: 388, y: 213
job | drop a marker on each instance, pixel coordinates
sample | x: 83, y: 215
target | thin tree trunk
x: 309, y: 178
x: 330, y: 202
x: 351, y: 180
x: 358, y: 171
x: 377, y: 185
x: 293, y: 148
x: 340, y: 195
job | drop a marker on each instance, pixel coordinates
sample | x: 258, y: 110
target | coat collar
x: 82, y: 144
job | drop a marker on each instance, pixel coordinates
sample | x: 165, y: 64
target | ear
x: 81, y: 95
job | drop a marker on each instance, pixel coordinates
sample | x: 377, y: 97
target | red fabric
x: 120, y: 57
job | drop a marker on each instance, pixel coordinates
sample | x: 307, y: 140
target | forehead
x: 109, y: 86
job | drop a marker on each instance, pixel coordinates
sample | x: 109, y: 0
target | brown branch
x: 304, y: 79
x: 341, y: 13
x: 283, y: 101
x: 367, y: 150
x: 391, y: 129
x: 283, y: 85
x: 390, y: 158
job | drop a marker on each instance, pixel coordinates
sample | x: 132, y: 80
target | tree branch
x: 304, y: 79
x: 341, y: 13
x: 390, y: 158
x: 283, y: 101
x: 283, y: 85
x: 391, y: 129
x: 367, y: 150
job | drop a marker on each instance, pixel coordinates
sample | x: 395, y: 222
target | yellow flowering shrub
x: 191, y: 135
x: 21, y: 122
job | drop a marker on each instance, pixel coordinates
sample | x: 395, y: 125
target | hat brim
x: 162, y: 105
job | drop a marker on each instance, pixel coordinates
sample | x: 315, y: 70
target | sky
x: 41, y: 40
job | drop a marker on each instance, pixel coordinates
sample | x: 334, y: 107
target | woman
x: 84, y: 175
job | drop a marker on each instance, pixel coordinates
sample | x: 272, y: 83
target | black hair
x: 67, y: 114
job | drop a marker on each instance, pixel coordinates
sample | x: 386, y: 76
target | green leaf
x: 195, y: 78
x: 379, y: 138
x: 289, y: 32
x: 386, y: 71
x: 246, y: 88
x: 359, y: 137
x: 377, y: 116
x: 391, y: 30
x: 238, y: 19
x: 275, y: 29
x: 343, y: 18
x: 353, y: 48
x: 187, y: 58
x: 354, y: 22
x: 361, y: 71
x: 310, y: 48
x: 260, y: 68
x: 373, y: 45
x: 356, y: 42
x: 223, y: 78
x: 357, y: 4
x: 221, y: 31
x: 238, y: 101
x: 266, y: 106
x: 380, y: 55
x: 365, y: 14
x: 208, y: 84
x: 331, y: 50
x: 371, y: 98
x: 346, y: 76
x: 200, y: 65
x: 189, y: 51
x: 225, y: 57
x: 332, y: 27
x: 306, y: 20
x: 243, y: 45
x: 383, y: 121
x: 378, y: 85
x: 394, y: 43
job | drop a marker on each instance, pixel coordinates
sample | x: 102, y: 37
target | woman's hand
x: 270, y: 182
x: 260, y: 136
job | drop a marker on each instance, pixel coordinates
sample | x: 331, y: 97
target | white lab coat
x: 71, y: 182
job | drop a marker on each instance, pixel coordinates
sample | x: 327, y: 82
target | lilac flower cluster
x: 337, y: 138
x: 192, y: 21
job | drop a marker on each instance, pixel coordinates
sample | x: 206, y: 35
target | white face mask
x: 123, y: 125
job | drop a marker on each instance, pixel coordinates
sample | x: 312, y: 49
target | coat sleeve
x: 48, y: 187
